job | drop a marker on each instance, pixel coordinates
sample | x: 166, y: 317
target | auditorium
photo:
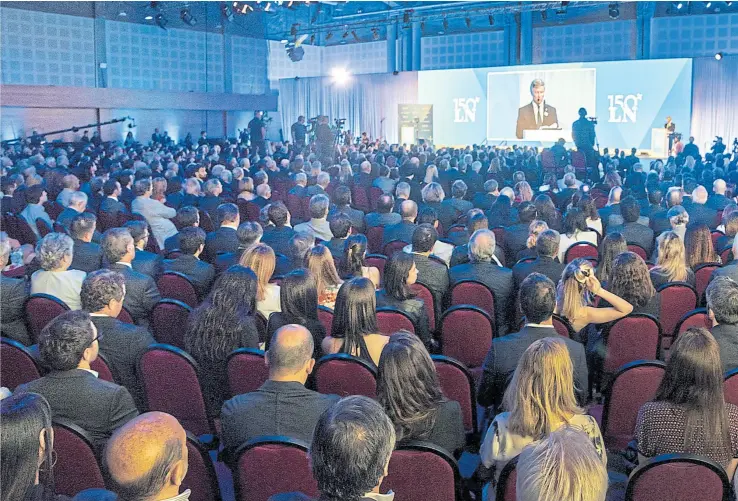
x: 308, y: 250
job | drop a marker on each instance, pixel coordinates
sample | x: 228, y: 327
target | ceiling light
x: 708, y: 5
x: 161, y: 21
x: 719, y: 56
x: 329, y: 35
x: 491, y: 20
x: 345, y: 34
x: 122, y: 14
x: 312, y: 39
x: 356, y: 37
x: 340, y: 75
x: 679, y: 5
x: 283, y: 41
x: 149, y: 17
x: 268, y: 7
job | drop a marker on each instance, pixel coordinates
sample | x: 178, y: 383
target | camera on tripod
x: 593, y: 120
x: 339, y: 123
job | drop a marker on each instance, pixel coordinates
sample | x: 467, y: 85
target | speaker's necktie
x: 540, y: 116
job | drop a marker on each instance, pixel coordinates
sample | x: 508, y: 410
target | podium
x: 660, y: 143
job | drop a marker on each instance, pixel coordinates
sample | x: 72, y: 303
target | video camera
x: 593, y: 120
x: 339, y: 123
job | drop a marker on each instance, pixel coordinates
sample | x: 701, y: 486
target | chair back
x: 261, y: 326
x: 695, y: 318
x: 171, y: 384
x: 201, y: 478
x: 360, y: 198
x: 106, y: 220
x: 43, y: 227
x: 633, y: 337
x: 102, y: 367
x: 378, y: 261
x: 631, y: 387
x: 455, y: 231
x: 391, y: 320
x: 40, y: 310
x: 125, y: 317
x: 394, y: 246
x: 423, y: 292
x: 169, y: 321
x: 715, y: 236
x: 499, y: 232
x: 475, y: 293
x: 374, y: 238
x: 53, y: 209
x: 19, y: 229
x: 262, y: 465
x: 562, y: 326
x: 587, y: 250
x: 175, y: 285
x: 248, y: 210
x: 677, y: 299
x: 18, y: 365
x: 247, y: 370
x: 374, y: 194
x: 457, y: 384
x: 466, y: 334
x: 548, y: 161
x: 325, y: 317
x: 702, y: 273
x: 506, y: 488
x: 342, y: 374
x: 294, y: 205
x: 422, y: 471
x: 637, y: 249
x: 678, y: 477
x: 206, y: 222
x: 76, y: 467
x: 58, y: 228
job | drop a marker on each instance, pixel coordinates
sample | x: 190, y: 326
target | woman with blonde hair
x: 535, y: 228
x: 538, y: 401
x: 523, y: 192
x: 262, y: 261
x: 671, y: 265
x: 321, y: 265
x: 574, y: 296
x: 246, y: 189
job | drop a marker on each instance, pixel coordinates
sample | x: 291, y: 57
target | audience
x: 405, y: 229
x: 36, y: 197
x: 630, y: 280
x: 574, y: 230
x: 187, y: 216
x: 698, y: 248
x: 353, y: 265
x: 278, y: 233
x: 340, y: 226
x: 318, y: 225
x: 148, y: 263
x: 633, y: 231
x: 547, y: 247
x: 200, y: 274
x: 225, y: 238
x: 156, y: 213
x: 14, y: 292
x: 54, y: 254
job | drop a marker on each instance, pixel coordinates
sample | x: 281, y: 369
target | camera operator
x: 257, y: 130
x: 324, y: 138
x: 583, y: 133
x: 718, y: 147
x: 299, y: 133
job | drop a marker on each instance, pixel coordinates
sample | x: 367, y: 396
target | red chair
x: 374, y: 194
x: 40, y: 310
x: 506, y: 490
x: 702, y: 273
x: 325, y: 316
x: 106, y: 220
x: 169, y: 322
x: 58, y: 228
x: 678, y: 477
x: 206, y: 222
x: 19, y: 229
x: 562, y: 326
x: 633, y: 385
x: 457, y: 384
x: 271, y: 465
x: 634, y: 337
x: 375, y: 237
x: 18, y: 364
x: 249, y: 211
x: 638, y: 250
x: 715, y: 236
x: 586, y: 250
x: 695, y: 318
x: 726, y: 255
x: 175, y: 285
x: 294, y: 205
x: 343, y: 374
x: 579, y: 161
x: 730, y: 387
x: 499, y: 232
x: 466, y: 334
x: 474, y: 293
x: 394, y: 246
x: 247, y: 370
x: 43, y: 227
x: 548, y: 161
x: 391, y: 320
x: 422, y: 471
x: 677, y: 299
x: 76, y: 467
x: 102, y: 367
x: 423, y: 292
x: 17, y: 272
x: 378, y: 261
x: 360, y: 198
x: 171, y: 384
x: 53, y: 209
x: 201, y: 478
x: 125, y: 317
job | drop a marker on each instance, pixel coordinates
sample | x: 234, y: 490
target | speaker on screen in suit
x: 537, y: 113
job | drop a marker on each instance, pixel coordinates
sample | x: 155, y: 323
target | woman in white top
x: 54, y: 254
x: 574, y: 229
x: 539, y: 400
x: 261, y: 259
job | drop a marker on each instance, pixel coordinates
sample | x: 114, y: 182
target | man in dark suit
x: 263, y: 195
x: 321, y: 183
x: 340, y: 225
x: 342, y: 204
x: 110, y: 204
x: 14, y: 292
x: 402, y: 193
x: 87, y: 255
x: 431, y: 272
x: 659, y: 220
x: 122, y: 344
x: 299, y: 245
x: 718, y: 200
x: 300, y: 188
x: 537, y: 302
x: 699, y: 213
x: 249, y: 233
x: 200, y: 273
x: 499, y: 280
x: 404, y: 229
x: 142, y: 294
x: 653, y: 202
x: 722, y: 298
x: 454, y: 207
x: 475, y: 220
x: 610, y: 214
x: 547, y: 248
x: 516, y: 236
x: 67, y: 346
x: 77, y: 205
x: 485, y: 200
x: 187, y: 216
x: 631, y: 229
x: 278, y: 234
x: 282, y: 405
x: 537, y: 113
x: 409, y: 176
x: 384, y: 216
x: 144, y: 262
x: 225, y: 238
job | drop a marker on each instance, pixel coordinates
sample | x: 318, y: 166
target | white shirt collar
x: 540, y: 325
x: 94, y: 373
x: 126, y: 264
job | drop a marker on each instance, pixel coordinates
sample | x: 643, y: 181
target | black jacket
x: 483, y: 200
x: 376, y: 219
x: 727, y: 339
x: 355, y: 215
x: 336, y: 246
x: 717, y: 202
x: 278, y: 238
x: 451, y: 210
x: 516, y: 239
x: 547, y: 266
x: 435, y: 276
x: 702, y: 214
x: 225, y: 261
x: 415, y: 308
x: 658, y: 222
x: 635, y: 233
x: 87, y: 256
x: 200, y: 273
x: 401, y: 231
x: 223, y: 239
x: 142, y: 294
x: 110, y: 206
x: 209, y: 204
x: 147, y: 263
x: 14, y: 292
x: 123, y: 344
x: 500, y: 282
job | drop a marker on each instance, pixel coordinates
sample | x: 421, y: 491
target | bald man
x: 718, y: 200
x: 147, y: 459
x: 699, y: 212
x: 282, y: 406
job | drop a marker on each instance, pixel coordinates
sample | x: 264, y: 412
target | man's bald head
x: 147, y: 457
x: 409, y: 210
x: 290, y: 354
x: 719, y: 186
x: 699, y: 195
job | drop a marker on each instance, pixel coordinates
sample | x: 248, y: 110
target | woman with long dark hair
x: 354, y: 329
x: 409, y: 391
x: 352, y: 264
x: 698, y: 248
x: 27, y: 443
x: 613, y: 244
x: 689, y: 413
x: 575, y: 229
x: 221, y: 324
x: 299, y: 302
x: 546, y: 211
x: 400, y: 273
x: 630, y: 280
x: 321, y: 265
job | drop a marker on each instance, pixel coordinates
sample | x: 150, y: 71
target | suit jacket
x: 336, y: 246
x: 658, y: 222
x: 435, y: 276
x: 226, y: 260
x: 374, y: 219
x: 460, y: 255
x: 142, y: 294
x: 516, y: 239
x: 702, y: 214
x: 451, y: 210
x: 174, y: 200
x: 355, y: 215
x: 14, y: 292
x: 315, y: 189
x: 123, y: 344
x: 112, y: 206
x: 172, y: 243
x: 147, y: 263
x: 297, y: 190
x: 97, y: 406
x: 500, y: 282
x: 730, y: 270
x: 278, y: 238
x: 542, y: 264
x: 483, y: 200
x: 223, y: 239
x: 209, y: 204
x: 727, y: 340
x: 400, y: 231
x: 200, y: 273
x: 87, y: 256
x: 66, y: 216
x: 527, y: 118
x: 276, y: 408
x: 505, y: 353
x: 635, y: 233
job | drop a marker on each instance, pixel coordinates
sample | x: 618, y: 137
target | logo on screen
x: 623, y: 107
x: 465, y: 109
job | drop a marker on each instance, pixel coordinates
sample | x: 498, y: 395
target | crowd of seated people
x: 270, y: 243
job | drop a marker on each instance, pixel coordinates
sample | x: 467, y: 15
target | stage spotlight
x: 293, y: 29
x: 491, y: 20
x: 149, y: 17
x: 679, y: 5
x: 467, y: 20
x: 161, y: 21
x: 187, y: 17
x: 445, y: 24
x: 227, y: 12
x: 329, y: 35
x: 614, y: 10
x: 406, y: 17
x: 719, y: 56
x: 708, y: 5
x: 356, y: 37
x: 340, y: 76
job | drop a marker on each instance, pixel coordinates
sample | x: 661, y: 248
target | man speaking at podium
x: 537, y: 114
